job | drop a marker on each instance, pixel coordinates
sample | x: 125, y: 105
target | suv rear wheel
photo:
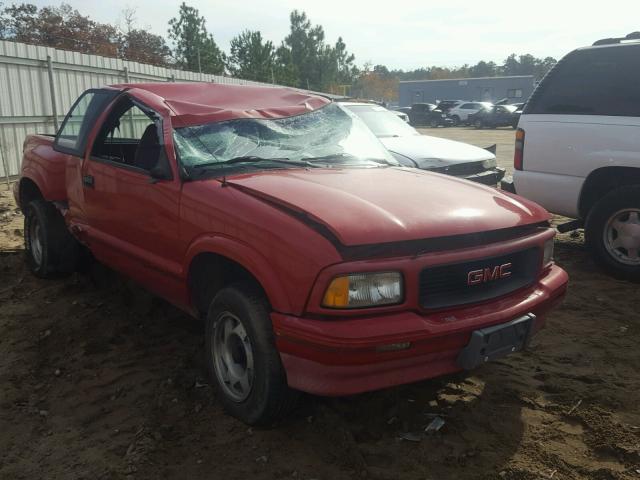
x: 612, y: 232
x: 242, y: 358
x: 50, y: 248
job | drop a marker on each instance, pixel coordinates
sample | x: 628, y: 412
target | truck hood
x: 363, y: 206
x: 433, y: 152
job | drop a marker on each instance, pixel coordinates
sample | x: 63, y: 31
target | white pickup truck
x: 578, y: 149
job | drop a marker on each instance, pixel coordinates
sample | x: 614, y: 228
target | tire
x: 50, y: 249
x: 456, y: 120
x: 612, y: 232
x: 433, y: 123
x: 238, y: 330
x: 478, y: 124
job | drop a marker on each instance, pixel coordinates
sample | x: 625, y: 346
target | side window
x: 129, y: 137
x: 72, y: 136
x: 597, y: 81
x: 467, y: 106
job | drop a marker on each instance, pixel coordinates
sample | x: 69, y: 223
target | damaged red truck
x: 317, y: 263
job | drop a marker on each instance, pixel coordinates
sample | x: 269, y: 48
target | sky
x: 403, y: 34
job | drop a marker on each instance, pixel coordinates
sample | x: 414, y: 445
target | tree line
x: 304, y: 58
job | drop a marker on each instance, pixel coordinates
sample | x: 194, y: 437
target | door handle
x: 88, y: 181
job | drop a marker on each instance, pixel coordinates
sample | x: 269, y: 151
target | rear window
x: 599, y: 81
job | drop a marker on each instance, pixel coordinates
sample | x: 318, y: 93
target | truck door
x: 132, y: 199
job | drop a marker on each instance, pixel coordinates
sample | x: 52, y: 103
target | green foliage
x: 304, y: 58
x: 512, y: 65
x: 251, y: 57
x: 195, y: 49
x: 306, y: 61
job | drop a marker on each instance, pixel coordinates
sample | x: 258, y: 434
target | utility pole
x: 199, y: 66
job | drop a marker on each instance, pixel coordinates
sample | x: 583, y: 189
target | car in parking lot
x: 446, y: 105
x: 426, y: 152
x: 460, y: 113
x: 402, y: 115
x: 428, y: 114
x: 578, y: 149
x: 495, y: 116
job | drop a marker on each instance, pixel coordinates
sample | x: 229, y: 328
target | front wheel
x: 478, y: 124
x: 612, y: 232
x: 49, y: 247
x: 456, y: 120
x: 433, y: 123
x: 242, y: 358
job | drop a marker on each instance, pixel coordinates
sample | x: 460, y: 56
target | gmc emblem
x: 489, y: 274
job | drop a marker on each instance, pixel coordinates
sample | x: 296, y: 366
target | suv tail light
x: 517, y: 156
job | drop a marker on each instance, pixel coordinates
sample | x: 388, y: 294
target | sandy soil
x: 101, y: 381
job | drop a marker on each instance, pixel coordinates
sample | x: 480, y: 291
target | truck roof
x: 195, y: 103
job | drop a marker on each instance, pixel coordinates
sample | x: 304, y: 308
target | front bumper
x: 488, y: 177
x: 354, y: 355
x: 507, y: 185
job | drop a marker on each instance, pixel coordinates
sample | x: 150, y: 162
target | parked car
x: 460, y: 113
x: 446, y: 105
x: 316, y: 262
x: 412, y: 149
x: 495, y: 116
x: 401, y: 115
x: 427, y: 114
x: 578, y: 150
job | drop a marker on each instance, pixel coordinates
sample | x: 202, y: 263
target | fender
x: 246, y: 256
x: 45, y: 167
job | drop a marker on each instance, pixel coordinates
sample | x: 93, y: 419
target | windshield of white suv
x: 381, y: 121
x: 326, y: 136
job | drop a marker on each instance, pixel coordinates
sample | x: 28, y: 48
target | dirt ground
x: 101, y: 381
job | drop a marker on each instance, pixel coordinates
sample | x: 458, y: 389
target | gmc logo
x: 489, y: 274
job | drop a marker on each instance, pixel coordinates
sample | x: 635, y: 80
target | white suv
x: 460, y: 113
x: 578, y: 149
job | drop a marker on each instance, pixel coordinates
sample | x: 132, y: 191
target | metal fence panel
x: 25, y: 88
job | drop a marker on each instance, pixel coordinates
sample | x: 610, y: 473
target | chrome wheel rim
x: 232, y: 356
x: 35, y: 241
x: 622, y: 236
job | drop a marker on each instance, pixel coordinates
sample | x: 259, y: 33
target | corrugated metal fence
x: 39, y: 84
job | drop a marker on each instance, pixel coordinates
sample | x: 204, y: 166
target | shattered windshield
x: 325, y: 136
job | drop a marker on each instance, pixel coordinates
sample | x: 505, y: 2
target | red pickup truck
x: 317, y: 263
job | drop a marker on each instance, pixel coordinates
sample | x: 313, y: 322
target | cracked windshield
x: 329, y: 135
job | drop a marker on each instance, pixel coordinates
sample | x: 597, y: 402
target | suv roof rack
x: 614, y: 41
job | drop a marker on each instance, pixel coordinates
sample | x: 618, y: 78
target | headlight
x: 364, y: 290
x: 547, y: 257
x: 489, y: 164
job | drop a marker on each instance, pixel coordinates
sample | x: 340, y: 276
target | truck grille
x: 449, y: 285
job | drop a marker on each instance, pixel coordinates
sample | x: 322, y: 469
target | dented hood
x: 379, y: 205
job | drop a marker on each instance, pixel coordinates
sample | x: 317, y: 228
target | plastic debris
x: 436, y: 424
x: 410, y: 437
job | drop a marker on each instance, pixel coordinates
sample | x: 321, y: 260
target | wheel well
x: 28, y: 191
x: 602, y: 181
x: 209, y: 273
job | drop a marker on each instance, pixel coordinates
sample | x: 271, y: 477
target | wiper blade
x: 344, y: 156
x: 255, y: 159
